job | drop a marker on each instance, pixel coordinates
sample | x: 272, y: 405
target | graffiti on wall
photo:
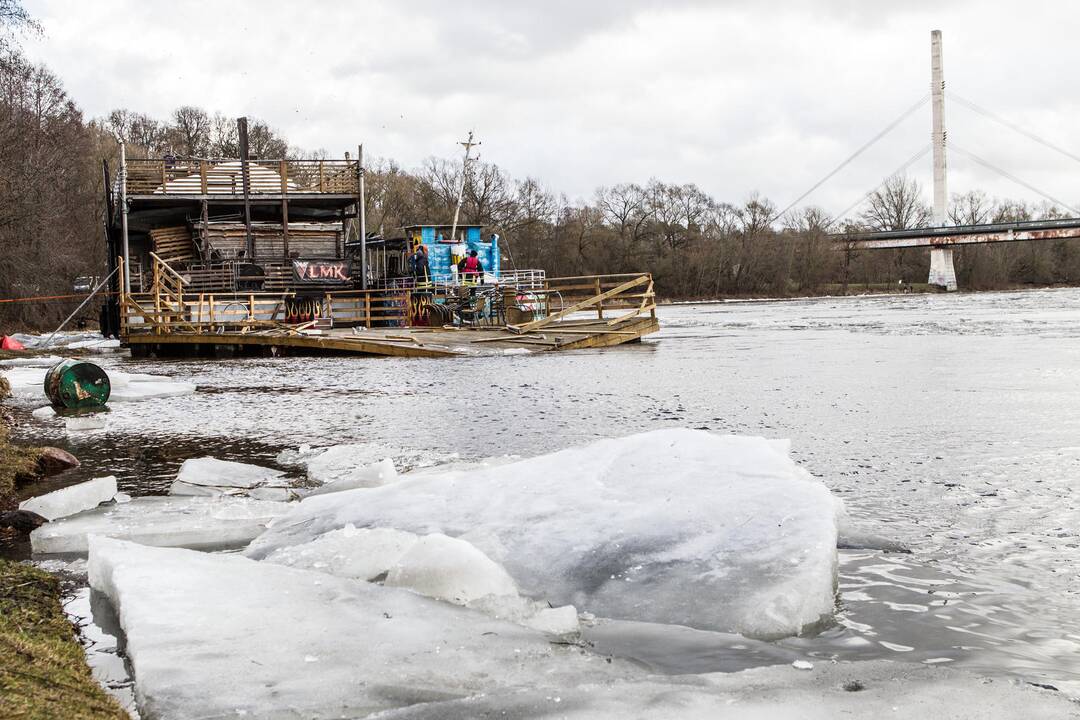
x: 322, y: 271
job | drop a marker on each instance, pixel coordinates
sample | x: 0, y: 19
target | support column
x: 942, y: 272
x: 124, y: 219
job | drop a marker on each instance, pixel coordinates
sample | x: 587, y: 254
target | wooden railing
x: 226, y: 177
x: 169, y: 308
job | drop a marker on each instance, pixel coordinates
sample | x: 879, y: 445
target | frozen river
x: 948, y: 423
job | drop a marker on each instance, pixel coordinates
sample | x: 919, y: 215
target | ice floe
x: 28, y: 382
x: 72, y: 499
x: 203, y: 523
x: 212, y: 635
x: 673, y: 526
x: 435, y: 565
x: 211, y: 476
x: 223, y: 636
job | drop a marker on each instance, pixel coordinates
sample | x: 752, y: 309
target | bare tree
x: 971, y: 208
x: 897, y: 205
x: 190, y: 131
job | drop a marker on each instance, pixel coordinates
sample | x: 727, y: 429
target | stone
x: 53, y: 461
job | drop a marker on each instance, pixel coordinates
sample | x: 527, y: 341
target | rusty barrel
x: 77, y: 384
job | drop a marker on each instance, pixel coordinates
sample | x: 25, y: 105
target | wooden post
x: 599, y: 305
x: 283, y: 169
x: 202, y: 178
x: 251, y: 307
x: 321, y: 176
x: 241, y: 125
x: 211, y: 311
x: 204, y: 230
x: 363, y: 218
x: 367, y: 310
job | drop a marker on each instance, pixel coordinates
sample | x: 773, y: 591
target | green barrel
x: 77, y: 384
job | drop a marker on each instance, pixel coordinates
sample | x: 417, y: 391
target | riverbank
x: 44, y: 673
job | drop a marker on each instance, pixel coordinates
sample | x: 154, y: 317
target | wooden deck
x: 564, y: 314
x: 398, y: 342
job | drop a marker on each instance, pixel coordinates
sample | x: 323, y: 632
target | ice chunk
x: 130, y: 387
x: 369, y: 475
x: 72, y: 499
x: 212, y: 635
x: 44, y: 413
x: 674, y: 526
x: 449, y: 569
x: 352, y: 465
x: 435, y: 565
x: 192, y: 522
x: 348, y: 552
x: 210, y: 476
x: 80, y: 423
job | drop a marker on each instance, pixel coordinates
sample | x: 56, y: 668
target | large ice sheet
x: 876, y: 689
x: 211, y: 476
x: 72, y: 499
x: 203, y: 523
x: 360, y: 475
x: 215, y: 636
x: 674, y: 526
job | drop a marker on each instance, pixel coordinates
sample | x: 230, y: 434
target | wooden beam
x: 535, y: 324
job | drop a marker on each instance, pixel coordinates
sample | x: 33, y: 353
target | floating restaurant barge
x: 228, y: 257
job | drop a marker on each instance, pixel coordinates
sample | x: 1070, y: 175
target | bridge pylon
x: 942, y: 272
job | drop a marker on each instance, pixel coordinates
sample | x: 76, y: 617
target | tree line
x: 696, y: 246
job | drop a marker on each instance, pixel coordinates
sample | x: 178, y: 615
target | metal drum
x: 77, y: 384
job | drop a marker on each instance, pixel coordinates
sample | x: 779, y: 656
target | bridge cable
x: 1016, y: 128
x: 908, y: 163
x: 888, y: 128
x: 987, y: 164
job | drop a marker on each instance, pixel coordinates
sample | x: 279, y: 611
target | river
x: 950, y: 423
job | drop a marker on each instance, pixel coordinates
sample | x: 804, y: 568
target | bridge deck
x: 950, y: 235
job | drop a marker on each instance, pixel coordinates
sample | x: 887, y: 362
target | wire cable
x: 907, y: 163
x: 989, y: 165
x: 1012, y: 126
x: 888, y: 128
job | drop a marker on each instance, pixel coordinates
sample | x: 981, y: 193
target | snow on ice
x: 673, y: 526
x: 204, y: 523
x: 72, y: 499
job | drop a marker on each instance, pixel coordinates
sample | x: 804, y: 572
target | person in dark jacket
x: 470, y: 268
x: 418, y: 262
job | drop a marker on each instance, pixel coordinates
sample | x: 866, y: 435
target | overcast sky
x: 736, y: 96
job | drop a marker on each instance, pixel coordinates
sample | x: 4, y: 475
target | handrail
x: 169, y: 269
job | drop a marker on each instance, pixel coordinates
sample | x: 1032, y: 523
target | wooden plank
x: 641, y: 279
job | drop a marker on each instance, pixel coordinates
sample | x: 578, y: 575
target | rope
x: 1015, y: 128
x: 908, y: 163
x: 888, y: 128
x: 52, y: 298
x: 987, y: 164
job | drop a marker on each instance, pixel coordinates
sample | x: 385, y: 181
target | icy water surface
x: 949, y: 423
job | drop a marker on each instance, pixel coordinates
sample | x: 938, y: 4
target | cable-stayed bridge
x: 940, y: 237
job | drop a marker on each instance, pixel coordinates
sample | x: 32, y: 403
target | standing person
x: 418, y: 264
x: 470, y: 268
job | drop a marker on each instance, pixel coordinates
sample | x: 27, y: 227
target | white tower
x: 942, y: 272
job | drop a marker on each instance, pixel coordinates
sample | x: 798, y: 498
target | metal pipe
x: 362, y: 212
x: 124, y: 217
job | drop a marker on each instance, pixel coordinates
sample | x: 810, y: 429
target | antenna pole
x: 468, y: 145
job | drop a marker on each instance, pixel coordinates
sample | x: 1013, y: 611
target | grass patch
x: 43, y: 671
x: 18, y: 465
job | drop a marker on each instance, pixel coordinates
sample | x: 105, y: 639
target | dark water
x: 950, y: 423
